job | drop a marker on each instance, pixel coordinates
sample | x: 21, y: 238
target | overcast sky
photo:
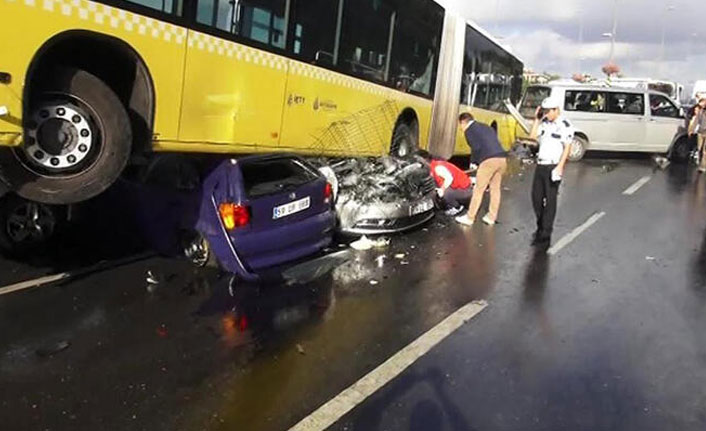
x: 546, y: 34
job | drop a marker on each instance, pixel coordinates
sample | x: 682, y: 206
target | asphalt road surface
x: 606, y: 333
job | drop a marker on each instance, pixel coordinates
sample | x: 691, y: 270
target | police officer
x: 554, y: 136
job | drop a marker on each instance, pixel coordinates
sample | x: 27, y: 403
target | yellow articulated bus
x: 87, y: 87
x: 491, y: 75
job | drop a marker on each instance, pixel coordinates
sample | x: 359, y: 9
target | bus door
x: 234, y: 93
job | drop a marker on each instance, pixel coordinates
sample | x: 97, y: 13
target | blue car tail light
x: 234, y: 216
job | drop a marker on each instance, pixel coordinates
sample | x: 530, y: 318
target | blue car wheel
x: 198, y: 251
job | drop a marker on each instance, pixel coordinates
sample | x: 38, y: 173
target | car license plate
x: 421, y: 207
x: 291, y: 208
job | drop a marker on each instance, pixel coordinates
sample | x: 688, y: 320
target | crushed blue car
x: 248, y: 215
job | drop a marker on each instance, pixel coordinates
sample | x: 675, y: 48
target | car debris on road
x: 365, y: 243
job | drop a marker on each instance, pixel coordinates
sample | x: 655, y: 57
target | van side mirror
x: 682, y: 113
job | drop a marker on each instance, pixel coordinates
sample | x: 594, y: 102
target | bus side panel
x: 328, y: 113
x: 26, y: 25
x: 233, y: 95
x: 14, y: 60
x: 317, y: 114
x: 506, y: 128
x: 461, y: 148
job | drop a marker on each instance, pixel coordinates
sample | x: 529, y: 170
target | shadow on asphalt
x: 101, y: 230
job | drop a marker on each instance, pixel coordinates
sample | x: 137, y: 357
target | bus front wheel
x: 404, y: 141
x: 77, y: 140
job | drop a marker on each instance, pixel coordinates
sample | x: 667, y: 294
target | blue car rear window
x: 266, y: 177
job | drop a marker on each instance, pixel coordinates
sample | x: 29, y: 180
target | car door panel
x: 664, y: 123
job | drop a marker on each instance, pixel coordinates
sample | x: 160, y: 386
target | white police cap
x: 551, y: 103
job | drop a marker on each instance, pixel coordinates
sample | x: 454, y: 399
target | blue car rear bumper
x: 249, y: 254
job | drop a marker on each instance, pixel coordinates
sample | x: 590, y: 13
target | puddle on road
x: 255, y: 313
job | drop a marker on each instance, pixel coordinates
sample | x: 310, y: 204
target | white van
x: 615, y: 119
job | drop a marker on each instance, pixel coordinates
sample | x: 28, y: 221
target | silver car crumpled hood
x: 383, y: 195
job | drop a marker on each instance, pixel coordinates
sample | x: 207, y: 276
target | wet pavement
x: 606, y: 334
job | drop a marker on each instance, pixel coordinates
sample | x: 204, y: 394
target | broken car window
x: 265, y: 177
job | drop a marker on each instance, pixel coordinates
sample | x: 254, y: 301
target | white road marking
x: 569, y: 237
x: 637, y: 185
x: 334, y: 409
x: 32, y: 283
x: 41, y: 281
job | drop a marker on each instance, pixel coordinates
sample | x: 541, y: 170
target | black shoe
x: 541, y: 241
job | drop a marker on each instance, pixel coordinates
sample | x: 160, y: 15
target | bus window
x: 365, y: 38
x: 173, y: 7
x: 315, y: 23
x: 416, y: 49
x: 490, y: 74
x: 258, y: 20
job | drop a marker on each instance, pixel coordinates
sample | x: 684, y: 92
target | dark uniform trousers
x: 544, y: 197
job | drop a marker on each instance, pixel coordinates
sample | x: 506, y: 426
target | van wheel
x: 578, y: 149
x: 404, y: 141
x: 681, y: 151
x: 77, y: 140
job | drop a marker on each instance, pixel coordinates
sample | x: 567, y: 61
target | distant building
x: 531, y: 77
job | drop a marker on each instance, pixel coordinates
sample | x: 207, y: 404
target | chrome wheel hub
x: 197, y: 251
x: 58, y: 137
x: 30, y: 222
x: 576, y: 148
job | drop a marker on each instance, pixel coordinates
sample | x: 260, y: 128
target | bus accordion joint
x: 5, y: 78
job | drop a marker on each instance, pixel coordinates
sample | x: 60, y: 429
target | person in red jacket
x: 453, y: 185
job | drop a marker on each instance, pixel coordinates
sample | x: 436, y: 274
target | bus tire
x: 404, y: 141
x: 578, y: 148
x: 77, y: 142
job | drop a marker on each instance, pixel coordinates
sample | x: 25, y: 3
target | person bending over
x: 491, y: 158
x: 452, y: 184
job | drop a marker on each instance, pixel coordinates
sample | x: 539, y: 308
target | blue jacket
x: 484, y: 143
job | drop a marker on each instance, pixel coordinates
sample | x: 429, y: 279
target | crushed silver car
x: 382, y: 195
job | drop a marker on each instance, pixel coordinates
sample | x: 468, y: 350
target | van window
x: 661, y: 106
x: 266, y: 177
x: 585, y: 101
x: 626, y: 103
x: 533, y: 98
